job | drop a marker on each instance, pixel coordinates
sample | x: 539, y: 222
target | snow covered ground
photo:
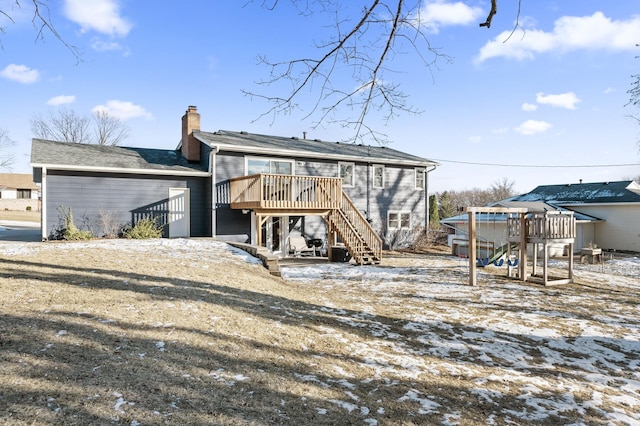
x: 519, y: 351
x: 568, y: 349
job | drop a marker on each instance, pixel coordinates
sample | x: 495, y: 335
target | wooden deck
x: 287, y: 195
x: 282, y: 193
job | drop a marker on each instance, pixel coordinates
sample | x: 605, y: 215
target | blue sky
x: 551, y: 95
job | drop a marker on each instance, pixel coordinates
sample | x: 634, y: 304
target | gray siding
x: 124, y: 198
x: 398, y: 194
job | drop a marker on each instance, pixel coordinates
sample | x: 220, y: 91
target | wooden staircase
x: 272, y: 194
x: 364, y: 245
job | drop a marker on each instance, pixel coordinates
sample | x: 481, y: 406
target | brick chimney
x: 190, y: 145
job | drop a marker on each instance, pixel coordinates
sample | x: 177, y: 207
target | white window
x: 378, y: 176
x: 399, y: 220
x: 266, y: 165
x: 346, y: 171
x: 420, y: 178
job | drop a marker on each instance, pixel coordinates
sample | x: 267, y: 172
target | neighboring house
x: 18, y: 192
x: 237, y: 186
x: 616, y: 205
x: 607, y: 214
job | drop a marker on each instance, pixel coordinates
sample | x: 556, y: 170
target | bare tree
x: 6, y: 153
x: 109, y: 130
x: 501, y: 189
x: 41, y: 20
x: 66, y: 125
x: 63, y: 124
x: 362, y: 48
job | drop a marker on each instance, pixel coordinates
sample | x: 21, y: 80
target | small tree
x: 434, y: 216
x: 446, y: 208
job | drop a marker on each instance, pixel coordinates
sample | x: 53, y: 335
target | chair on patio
x: 298, y: 247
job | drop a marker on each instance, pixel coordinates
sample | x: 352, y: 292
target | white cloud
x: 475, y: 139
x: 20, y: 73
x: 532, y: 127
x: 500, y: 131
x: 61, y: 100
x: 123, y: 110
x: 564, y: 100
x: 439, y: 13
x: 105, y: 46
x: 529, y: 107
x: 608, y: 90
x: 595, y: 32
x: 102, y: 16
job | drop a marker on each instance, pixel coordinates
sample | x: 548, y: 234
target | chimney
x: 190, y: 146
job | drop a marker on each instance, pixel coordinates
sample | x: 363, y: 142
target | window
x: 346, y: 172
x: 420, y: 178
x: 265, y: 165
x: 399, y: 220
x: 24, y: 193
x: 378, y: 176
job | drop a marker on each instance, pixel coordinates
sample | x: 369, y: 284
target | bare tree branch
x: 61, y: 125
x: 492, y: 12
x: 6, y: 152
x: 109, y: 130
x: 42, y: 23
x: 360, y: 53
x: 66, y: 125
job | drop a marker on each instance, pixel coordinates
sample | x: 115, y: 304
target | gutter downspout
x: 426, y: 198
x: 43, y: 204
x: 214, y: 194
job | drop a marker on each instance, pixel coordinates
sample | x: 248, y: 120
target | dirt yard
x: 193, y: 332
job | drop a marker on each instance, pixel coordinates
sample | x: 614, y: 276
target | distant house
x: 241, y: 187
x: 614, y: 207
x: 607, y: 213
x: 18, y: 192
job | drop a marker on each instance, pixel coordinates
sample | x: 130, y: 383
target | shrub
x: 66, y: 229
x: 108, y: 222
x: 28, y: 208
x: 143, y: 229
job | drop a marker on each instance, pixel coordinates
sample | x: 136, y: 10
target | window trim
x: 23, y: 194
x: 399, y: 214
x: 269, y: 159
x: 373, y: 176
x: 423, y: 171
x: 353, y: 173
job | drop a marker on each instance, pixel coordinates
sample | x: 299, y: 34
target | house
x: 240, y: 187
x: 18, y: 192
x: 614, y: 209
x: 607, y: 214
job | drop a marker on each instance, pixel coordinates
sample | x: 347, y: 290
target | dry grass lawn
x: 140, y: 335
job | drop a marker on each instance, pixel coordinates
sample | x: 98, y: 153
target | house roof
x: 17, y: 181
x: 101, y: 158
x: 311, y: 148
x: 584, y: 193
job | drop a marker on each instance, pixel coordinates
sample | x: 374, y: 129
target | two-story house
x: 241, y: 187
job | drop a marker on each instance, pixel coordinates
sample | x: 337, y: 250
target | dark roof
x: 76, y: 156
x: 584, y: 193
x: 314, y: 148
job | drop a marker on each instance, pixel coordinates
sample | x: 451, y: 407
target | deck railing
x: 271, y: 191
x: 356, y: 233
x: 551, y: 225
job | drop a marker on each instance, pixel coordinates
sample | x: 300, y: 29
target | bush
x: 28, y: 208
x: 143, y: 229
x: 66, y: 229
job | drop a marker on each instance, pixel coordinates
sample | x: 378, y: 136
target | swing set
x: 518, y: 229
